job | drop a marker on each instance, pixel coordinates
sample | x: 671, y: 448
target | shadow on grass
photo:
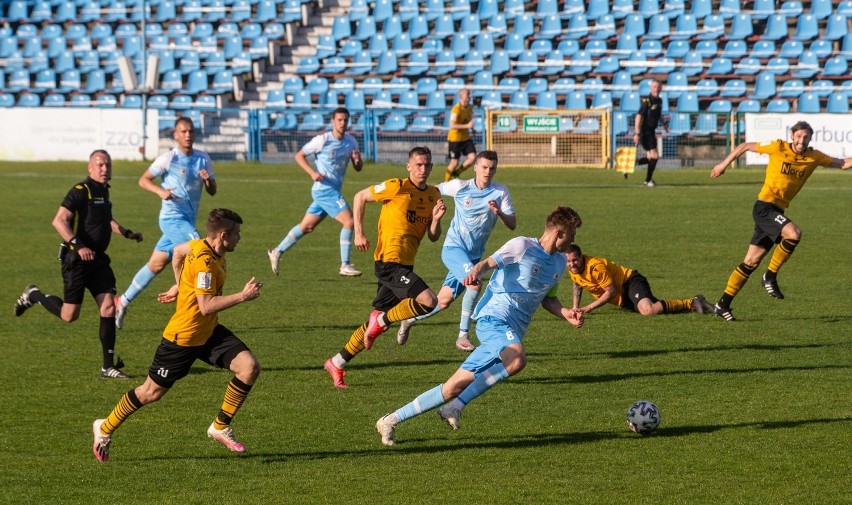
x: 743, y: 347
x: 592, y: 379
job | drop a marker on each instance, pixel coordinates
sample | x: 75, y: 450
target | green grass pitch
x: 757, y: 411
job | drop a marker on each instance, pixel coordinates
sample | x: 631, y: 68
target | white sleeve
x: 160, y: 165
x: 314, y: 145
x: 506, y: 206
x: 451, y: 188
x: 512, y: 251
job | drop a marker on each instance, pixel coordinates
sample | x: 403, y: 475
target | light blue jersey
x: 473, y: 220
x: 331, y: 159
x: 179, y: 174
x: 525, y: 274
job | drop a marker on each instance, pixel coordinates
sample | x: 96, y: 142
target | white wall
x: 832, y: 132
x: 42, y: 134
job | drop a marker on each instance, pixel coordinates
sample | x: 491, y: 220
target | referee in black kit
x: 84, y: 221
x: 645, y: 127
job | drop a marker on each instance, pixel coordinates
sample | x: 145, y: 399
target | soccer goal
x: 549, y: 138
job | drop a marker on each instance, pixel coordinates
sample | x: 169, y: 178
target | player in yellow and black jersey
x: 624, y: 287
x: 410, y: 209
x: 194, y: 333
x: 458, y: 137
x: 790, y: 165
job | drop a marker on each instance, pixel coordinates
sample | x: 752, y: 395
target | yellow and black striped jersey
x: 405, y: 218
x: 787, y: 171
x: 203, y: 273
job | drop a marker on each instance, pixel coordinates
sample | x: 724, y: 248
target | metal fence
x: 386, y: 135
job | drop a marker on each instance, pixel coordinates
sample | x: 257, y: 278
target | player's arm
x: 61, y: 221
x: 211, y: 304
x: 555, y: 307
x: 438, y: 212
x: 357, y: 161
x: 359, y: 205
x: 209, y: 182
x: 147, y: 183
x: 608, y: 294
x: 732, y: 157
x: 179, y: 253
x: 842, y: 164
x: 577, y: 295
x: 478, y: 270
x: 302, y: 161
x: 508, y: 219
x: 124, y: 232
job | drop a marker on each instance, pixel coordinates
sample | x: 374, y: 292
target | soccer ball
x: 643, y: 417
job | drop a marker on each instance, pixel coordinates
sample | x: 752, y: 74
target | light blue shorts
x: 494, y: 336
x: 458, y: 265
x: 175, y: 232
x: 327, y: 203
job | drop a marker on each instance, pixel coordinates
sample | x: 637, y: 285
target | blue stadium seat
x: 460, y: 45
x: 748, y: 106
x: 602, y: 100
x: 580, y: 64
x: 651, y: 48
x: 791, y: 49
x: 634, y: 24
x: 513, y: 8
x: 115, y: 11
x: 395, y: 122
x: 445, y: 64
x: 629, y: 102
x: 658, y: 26
x: 484, y: 43
x: 326, y: 46
x: 742, y: 27
x: 377, y: 44
x: 626, y: 44
x: 459, y: 9
x: 747, y: 66
x: 392, y: 27
x: 687, y: 102
x: 677, y: 83
x: 680, y: 123
x: 497, y: 25
x: 551, y: 27
x: 418, y: 27
x: 764, y: 86
x: 29, y: 100
x: 720, y: 106
x: 778, y: 105
x: 285, y: 122
x: 763, y: 49
x: 838, y: 103
x: 778, y: 66
x: 70, y: 80
x: 648, y: 8
x: 776, y: 27
x: 712, y: 28
x: 706, y: 88
x: 474, y: 61
x: 401, y: 44
x: 553, y: 64
x: 733, y: 88
x: 499, y: 63
x: 436, y: 100
x: 622, y: 8
x: 312, y: 121
x: 519, y: 100
x: 596, y: 48
x: 341, y: 28
x: 65, y: 11
x: 45, y: 80
x: 576, y: 100
x: 266, y: 11
x: 807, y: 65
x: 362, y: 64
x: 707, y: 124
x: 835, y: 27
x: 354, y: 101
x: 422, y: 124
x: 792, y: 9
x: 334, y: 65
x: 808, y: 103
x: 595, y: 9
x: 836, y: 66
x: 387, y: 64
x: 822, y: 8
x: 762, y: 9
x: 105, y: 101
x: 418, y: 63
x: 822, y: 87
x: 514, y: 45
x: 53, y: 100
x: 806, y: 28
x: 604, y: 27
x: 545, y: 100
x: 578, y: 27
x: 587, y: 125
x: 527, y: 64
x: 196, y: 82
x: 791, y: 88
x: 290, y: 13
x: 426, y: 85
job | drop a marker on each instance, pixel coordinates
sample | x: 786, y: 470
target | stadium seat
x: 29, y: 100
x: 607, y: 65
x: 546, y: 100
x: 445, y: 64
x: 497, y: 25
x: 392, y: 27
x: 764, y: 86
x: 629, y: 102
x: 519, y: 100
x: 312, y: 121
x: 95, y: 81
x: 706, y: 88
x: 658, y: 26
x: 418, y: 63
x: 53, y: 100
x: 285, y: 122
x: 838, y: 103
x: 105, y: 101
x: 401, y: 44
x: 604, y: 28
x: 822, y: 87
x: 835, y: 27
x: 791, y: 49
x: 776, y: 27
x: 580, y: 64
x: 422, y: 124
x: 622, y: 8
x: 484, y: 43
x: 602, y: 100
x: 491, y: 100
x: 747, y: 66
x: 687, y: 102
x: 807, y: 65
x: 626, y: 44
x: 791, y: 88
x: 762, y: 9
x: 45, y: 80
x: 706, y: 124
x: 836, y: 66
x: 576, y: 100
x: 679, y: 123
x: 778, y: 105
x: 578, y: 27
x: 587, y: 125
x: 808, y: 103
x: 526, y: 64
x: 651, y: 48
x: 551, y: 27
x: 341, y: 28
x: 634, y: 25
x: 806, y: 28
x: 720, y: 106
x: 395, y: 122
x: 748, y: 106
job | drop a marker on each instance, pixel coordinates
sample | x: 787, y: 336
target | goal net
x: 549, y: 138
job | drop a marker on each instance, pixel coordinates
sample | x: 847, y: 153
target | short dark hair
x: 420, y: 151
x: 222, y: 220
x: 565, y: 216
x: 574, y: 248
x: 341, y: 110
x: 801, y: 125
x: 488, y: 155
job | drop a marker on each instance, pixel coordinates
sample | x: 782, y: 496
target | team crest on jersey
x: 467, y: 202
x: 204, y: 280
x: 378, y: 188
x: 535, y: 269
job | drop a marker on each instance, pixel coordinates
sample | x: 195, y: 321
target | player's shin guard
x: 107, y: 336
x: 781, y: 254
x: 675, y: 306
x: 355, y: 344
x: 235, y: 395
x: 345, y: 244
x: 736, y: 281
x: 468, y: 304
x: 486, y: 379
x: 128, y: 404
x: 427, y: 401
x: 140, y: 281
x: 407, y: 309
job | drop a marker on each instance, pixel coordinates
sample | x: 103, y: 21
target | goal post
x: 557, y: 138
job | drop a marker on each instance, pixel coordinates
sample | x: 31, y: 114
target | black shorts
x: 172, y: 362
x: 648, y: 140
x: 769, y: 220
x: 78, y: 275
x: 461, y: 149
x: 636, y: 288
x: 396, y: 282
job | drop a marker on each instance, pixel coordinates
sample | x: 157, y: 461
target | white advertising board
x: 47, y: 134
x: 832, y: 132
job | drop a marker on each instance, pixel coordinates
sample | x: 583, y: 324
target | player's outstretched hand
x: 252, y: 289
x: 575, y: 317
x: 718, y: 170
x: 169, y: 296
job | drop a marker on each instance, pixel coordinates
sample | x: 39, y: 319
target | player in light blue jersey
x: 528, y: 274
x: 479, y: 203
x: 332, y: 152
x: 183, y: 172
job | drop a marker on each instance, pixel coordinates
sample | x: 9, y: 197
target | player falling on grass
x: 528, y: 271
x: 332, y: 151
x: 624, y: 287
x: 194, y: 333
x: 183, y: 172
x: 790, y: 165
x: 410, y: 209
x: 85, y: 223
x: 479, y: 203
